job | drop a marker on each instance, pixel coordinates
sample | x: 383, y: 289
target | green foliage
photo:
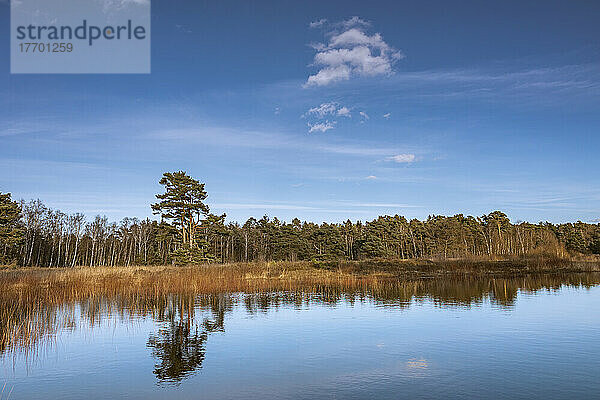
x: 580, y: 237
x: 186, y: 255
x: 12, y: 232
x: 182, y: 203
x: 595, y: 243
x: 189, y: 234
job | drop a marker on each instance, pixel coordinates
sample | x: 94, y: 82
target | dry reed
x: 36, y: 303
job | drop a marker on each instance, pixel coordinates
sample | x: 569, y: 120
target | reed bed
x: 253, y: 277
x: 37, y: 303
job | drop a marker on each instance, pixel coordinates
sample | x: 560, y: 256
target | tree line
x: 32, y: 234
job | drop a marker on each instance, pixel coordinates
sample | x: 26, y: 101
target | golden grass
x: 212, y: 278
x: 36, y: 303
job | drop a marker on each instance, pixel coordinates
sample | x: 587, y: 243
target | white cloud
x: 402, y: 158
x: 323, y: 110
x: 387, y: 116
x: 326, y: 109
x: 321, y: 126
x: 316, y: 24
x: 344, y: 112
x: 329, y: 75
x: 354, y: 21
x: 317, y: 46
x: 355, y: 36
x: 364, y: 115
x: 331, y: 110
x: 371, y: 177
x: 357, y: 60
x: 352, y: 52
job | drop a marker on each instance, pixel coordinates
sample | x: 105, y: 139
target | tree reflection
x: 32, y: 317
x: 180, y: 345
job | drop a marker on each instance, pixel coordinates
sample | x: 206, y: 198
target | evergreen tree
x: 183, y: 205
x: 12, y: 232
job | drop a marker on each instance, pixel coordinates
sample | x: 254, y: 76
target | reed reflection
x: 30, y: 320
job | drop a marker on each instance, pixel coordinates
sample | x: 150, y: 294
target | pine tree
x: 182, y: 204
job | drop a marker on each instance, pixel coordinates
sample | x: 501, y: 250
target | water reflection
x: 185, y: 322
x: 180, y: 344
x: 180, y: 349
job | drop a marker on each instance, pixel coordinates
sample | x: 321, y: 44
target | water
x: 488, y: 339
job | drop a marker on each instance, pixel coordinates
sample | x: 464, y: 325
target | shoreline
x: 264, y: 276
x: 37, y: 302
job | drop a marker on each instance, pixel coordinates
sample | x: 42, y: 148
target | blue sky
x: 413, y: 108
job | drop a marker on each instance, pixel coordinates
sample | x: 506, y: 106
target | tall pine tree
x: 183, y: 205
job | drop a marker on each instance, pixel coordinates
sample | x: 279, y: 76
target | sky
x: 325, y: 111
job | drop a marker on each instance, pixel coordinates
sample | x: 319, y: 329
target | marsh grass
x: 37, y: 303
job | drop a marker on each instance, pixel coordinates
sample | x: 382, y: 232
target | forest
x: 186, y: 232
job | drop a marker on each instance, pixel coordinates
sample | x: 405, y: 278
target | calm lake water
x: 526, y: 338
